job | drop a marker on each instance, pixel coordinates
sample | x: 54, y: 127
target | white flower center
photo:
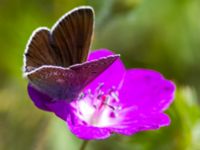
x: 98, y: 109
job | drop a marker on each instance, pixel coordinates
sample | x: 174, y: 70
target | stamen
x: 89, y: 93
x: 99, y: 87
x: 102, y: 106
x: 81, y: 96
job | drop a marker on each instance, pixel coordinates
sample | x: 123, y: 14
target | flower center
x: 98, y: 108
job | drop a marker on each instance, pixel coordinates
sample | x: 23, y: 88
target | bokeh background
x: 158, y: 34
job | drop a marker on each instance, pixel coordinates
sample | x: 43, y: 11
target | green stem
x: 84, y: 144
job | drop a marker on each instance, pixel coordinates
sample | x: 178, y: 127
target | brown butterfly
x: 55, y: 60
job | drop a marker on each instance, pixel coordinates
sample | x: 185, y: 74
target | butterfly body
x: 55, y: 61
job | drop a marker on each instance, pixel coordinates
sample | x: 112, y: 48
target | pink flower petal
x: 42, y: 101
x: 112, y: 77
x: 142, y: 122
x: 39, y: 99
x: 86, y: 132
x: 146, y: 89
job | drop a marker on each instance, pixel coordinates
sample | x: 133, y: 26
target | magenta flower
x: 117, y: 101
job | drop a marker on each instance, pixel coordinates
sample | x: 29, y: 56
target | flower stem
x: 84, y: 144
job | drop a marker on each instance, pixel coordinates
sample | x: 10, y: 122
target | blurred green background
x: 156, y: 34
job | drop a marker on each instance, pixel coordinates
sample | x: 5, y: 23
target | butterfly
x: 55, y: 60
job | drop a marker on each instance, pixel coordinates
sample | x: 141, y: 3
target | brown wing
x: 72, y: 35
x: 56, y: 82
x: 66, y: 83
x: 39, y: 50
x: 67, y: 44
x: 88, y: 71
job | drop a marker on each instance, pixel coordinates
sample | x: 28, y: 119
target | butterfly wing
x: 72, y: 35
x: 88, y: 71
x: 39, y: 50
x: 66, y: 44
x: 66, y: 83
x: 56, y: 82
